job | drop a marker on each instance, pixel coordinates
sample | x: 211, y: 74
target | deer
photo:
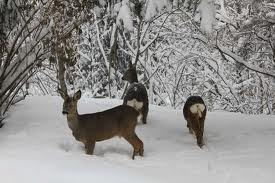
x: 94, y: 127
x: 136, y: 95
x: 194, y: 112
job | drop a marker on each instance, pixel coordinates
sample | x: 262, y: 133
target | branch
x: 144, y: 48
x: 243, y: 62
x: 126, y: 41
x: 100, y: 44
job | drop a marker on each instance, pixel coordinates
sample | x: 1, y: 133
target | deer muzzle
x: 65, y: 112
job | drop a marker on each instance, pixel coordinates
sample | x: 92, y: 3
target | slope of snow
x: 36, y: 145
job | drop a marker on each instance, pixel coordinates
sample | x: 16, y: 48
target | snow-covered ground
x: 36, y: 146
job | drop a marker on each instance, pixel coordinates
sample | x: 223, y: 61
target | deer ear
x: 77, y: 95
x: 62, y: 94
x: 130, y: 64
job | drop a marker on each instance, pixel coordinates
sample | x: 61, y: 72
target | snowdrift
x: 36, y: 146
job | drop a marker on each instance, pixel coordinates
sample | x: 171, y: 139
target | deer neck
x: 72, y: 119
x: 134, y: 79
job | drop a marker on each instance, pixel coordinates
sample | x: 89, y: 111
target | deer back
x: 104, y: 125
x: 136, y: 91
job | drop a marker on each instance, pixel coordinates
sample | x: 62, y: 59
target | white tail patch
x: 197, y: 108
x: 135, y: 104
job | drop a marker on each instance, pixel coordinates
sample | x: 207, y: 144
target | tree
x: 23, y: 30
x: 222, y: 50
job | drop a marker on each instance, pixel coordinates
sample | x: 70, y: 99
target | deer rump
x: 137, y: 97
x: 194, y: 112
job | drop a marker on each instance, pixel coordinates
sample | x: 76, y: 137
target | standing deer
x: 194, y: 112
x: 93, y: 127
x: 136, y: 95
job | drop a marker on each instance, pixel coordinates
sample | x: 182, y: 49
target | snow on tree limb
x: 155, y: 6
x: 241, y: 61
x: 207, y: 15
x: 124, y: 16
x: 145, y: 47
x: 24, y: 50
x: 100, y: 44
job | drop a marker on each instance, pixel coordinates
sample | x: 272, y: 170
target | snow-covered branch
x: 241, y: 61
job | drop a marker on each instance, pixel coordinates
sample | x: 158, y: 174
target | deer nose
x: 65, y: 112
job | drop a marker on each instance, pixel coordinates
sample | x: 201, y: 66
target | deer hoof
x: 200, y: 145
x: 141, y: 151
x: 89, y: 153
x: 133, y: 156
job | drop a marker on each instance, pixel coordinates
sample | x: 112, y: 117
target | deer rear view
x: 136, y: 95
x: 93, y: 127
x: 194, y: 112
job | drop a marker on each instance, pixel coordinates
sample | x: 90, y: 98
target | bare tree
x: 23, y: 30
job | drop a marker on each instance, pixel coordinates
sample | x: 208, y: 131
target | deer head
x: 70, y: 103
x: 131, y: 74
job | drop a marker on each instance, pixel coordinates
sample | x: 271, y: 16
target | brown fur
x: 195, y: 123
x: 91, y: 128
x: 136, y: 91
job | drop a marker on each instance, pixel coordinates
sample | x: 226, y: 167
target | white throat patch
x: 135, y: 104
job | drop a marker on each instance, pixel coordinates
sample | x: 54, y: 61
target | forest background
x: 222, y: 50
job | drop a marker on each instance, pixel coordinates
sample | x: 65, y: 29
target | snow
x: 1, y: 4
x: 102, y: 2
x: 207, y: 14
x: 97, y: 10
x: 271, y: 15
x: 243, y: 62
x: 124, y: 15
x: 36, y: 145
x: 155, y: 6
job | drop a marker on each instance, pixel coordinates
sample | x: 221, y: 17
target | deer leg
x: 136, y: 143
x: 89, y: 147
x: 202, y: 132
x: 202, y: 125
x: 144, y: 115
x: 190, y: 127
x: 199, y: 139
